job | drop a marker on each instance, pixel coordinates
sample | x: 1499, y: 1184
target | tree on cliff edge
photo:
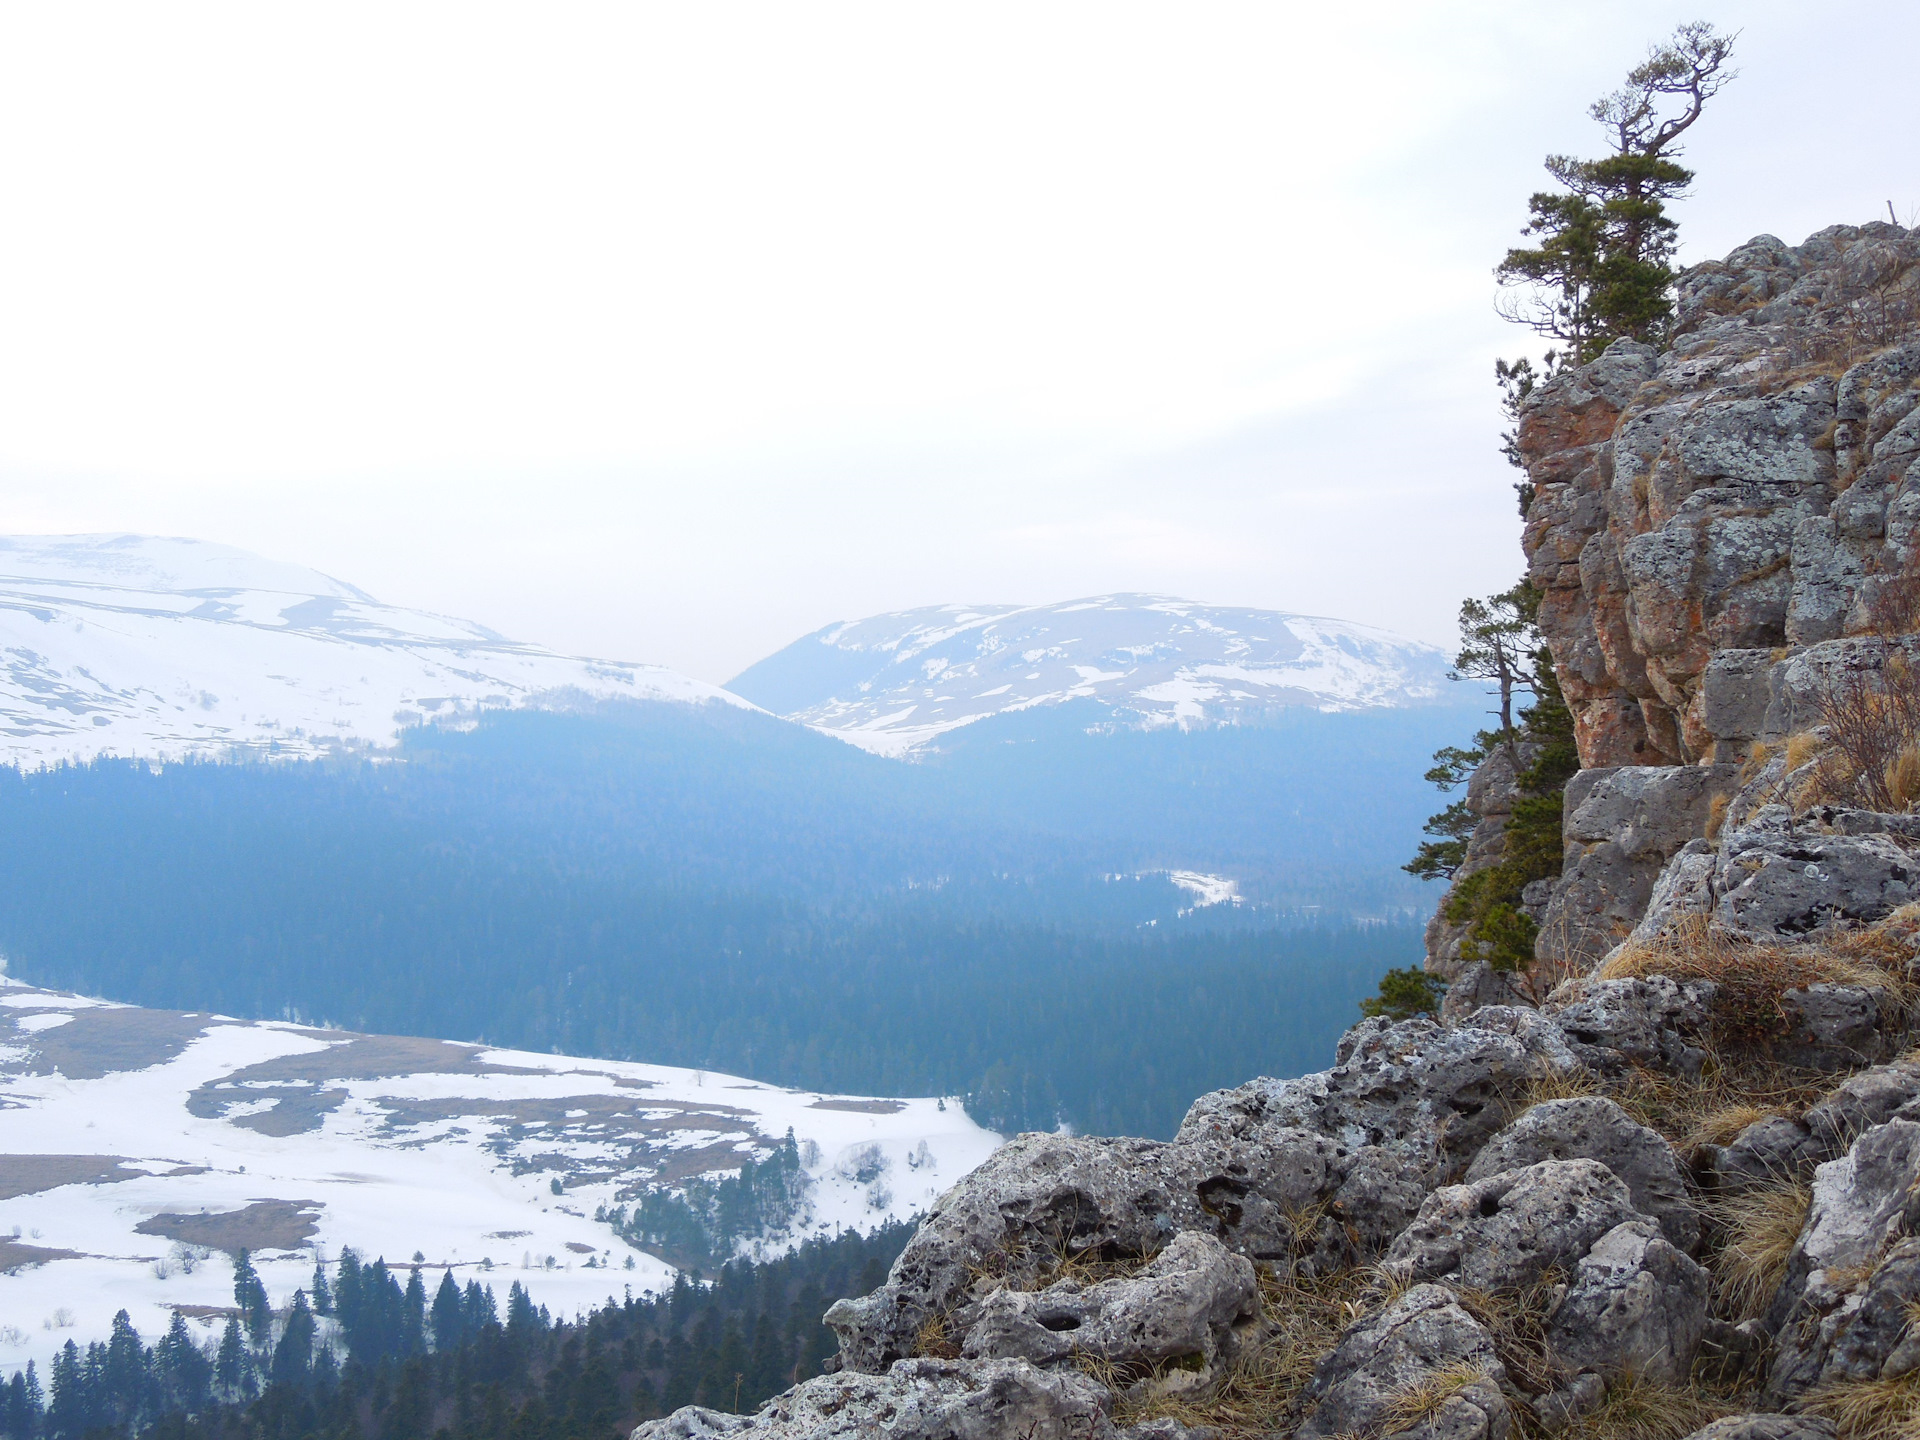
x: 1601, y: 266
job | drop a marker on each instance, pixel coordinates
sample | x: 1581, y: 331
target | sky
x: 675, y: 332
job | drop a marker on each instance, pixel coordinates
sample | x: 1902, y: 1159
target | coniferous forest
x: 665, y: 890
x: 370, y: 1356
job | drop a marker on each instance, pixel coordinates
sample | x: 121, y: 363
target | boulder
x: 1422, y: 1367
x: 1591, y: 1127
x: 1510, y: 1229
x: 916, y: 1400
x: 1778, y: 1147
x: 1832, y: 1027
x: 1270, y: 1191
x: 1636, y: 1306
x: 1475, y: 988
x: 1187, y: 1305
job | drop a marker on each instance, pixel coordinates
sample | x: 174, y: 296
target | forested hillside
x: 713, y: 888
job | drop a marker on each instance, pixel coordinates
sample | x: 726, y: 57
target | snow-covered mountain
x: 136, y: 1144
x: 896, y: 682
x: 163, y: 648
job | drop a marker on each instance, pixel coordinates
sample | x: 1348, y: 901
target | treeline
x: 379, y: 1360
x: 443, y: 897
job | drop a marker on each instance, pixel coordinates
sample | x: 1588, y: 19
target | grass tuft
x: 1758, y: 1229
x: 1421, y: 1402
x: 1638, y: 1409
x: 1868, y: 1409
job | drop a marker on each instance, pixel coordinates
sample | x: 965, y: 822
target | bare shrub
x: 1872, y: 715
x: 1894, y: 607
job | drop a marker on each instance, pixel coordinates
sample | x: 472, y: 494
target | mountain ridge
x: 895, y: 683
x: 165, y: 648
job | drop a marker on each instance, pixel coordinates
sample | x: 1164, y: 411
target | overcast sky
x: 672, y: 333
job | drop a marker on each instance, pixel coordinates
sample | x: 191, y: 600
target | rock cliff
x: 1664, y: 1183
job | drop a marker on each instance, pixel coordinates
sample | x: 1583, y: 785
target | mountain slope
x: 895, y: 683
x: 163, y: 648
x: 130, y: 1138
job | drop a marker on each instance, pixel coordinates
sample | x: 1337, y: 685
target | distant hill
x: 142, y: 646
x: 899, y: 682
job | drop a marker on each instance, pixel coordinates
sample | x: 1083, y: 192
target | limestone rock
x: 1424, y: 1339
x: 1780, y: 1148
x: 1508, y: 1230
x: 1863, y: 1205
x: 1622, y: 825
x: 1594, y: 1128
x: 1417, y: 1088
x: 1770, y: 884
x: 1653, y: 1021
x: 1636, y: 1306
x: 1185, y: 1305
x: 915, y: 1400
x: 1476, y: 987
x: 1238, y: 1171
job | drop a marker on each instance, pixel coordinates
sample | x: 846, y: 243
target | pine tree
x: 1600, y: 268
x: 293, y: 1356
x: 449, y: 1314
x: 233, y: 1369
x: 251, y: 1296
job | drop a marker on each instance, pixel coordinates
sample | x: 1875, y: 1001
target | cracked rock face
x: 1717, y: 496
x: 1636, y: 1306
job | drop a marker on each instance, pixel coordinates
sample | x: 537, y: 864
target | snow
x: 1153, y: 661
x: 163, y: 649
x: 421, y: 1158
x: 1206, y: 889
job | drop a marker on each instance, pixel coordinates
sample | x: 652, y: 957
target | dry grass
x: 1869, y: 1409
x: 1721, y: 1126
x: 1902, y: 777
x: 1752, y: 976
x: 1423, y: 1401
x: 1517, y: 1320
x: 1717, y: 815
x: 1642, y: 1410
x: 933, y: 1341
x: 1757, y: 1228
x: 1303, y: 1318
x: 1803, y: 747
x: 1545, y: 1085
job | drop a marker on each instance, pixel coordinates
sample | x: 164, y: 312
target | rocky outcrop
x: 1480, y: 1204
x: 1719, y: 530
x: 1745, y: 489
